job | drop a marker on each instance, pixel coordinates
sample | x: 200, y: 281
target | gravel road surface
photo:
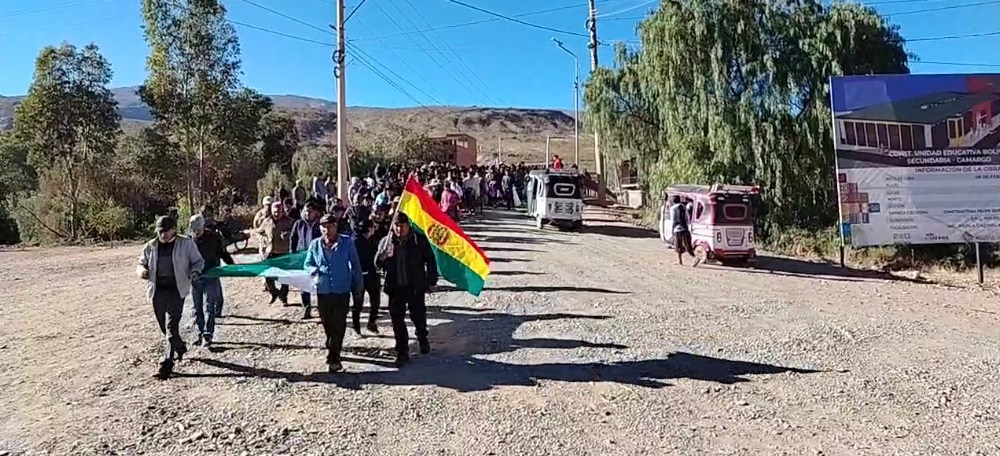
x: 591, y: 343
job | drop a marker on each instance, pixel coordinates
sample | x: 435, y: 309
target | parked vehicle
x: 555, y: 198
x: 721, y: 219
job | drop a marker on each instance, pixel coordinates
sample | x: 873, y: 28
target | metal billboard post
x: 836, y: 177
x: 979, y: 265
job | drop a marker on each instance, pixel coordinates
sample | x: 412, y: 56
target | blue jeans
x: 206, y: 289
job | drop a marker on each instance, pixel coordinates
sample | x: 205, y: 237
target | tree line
x: 71, y: 170
x: 738, y: 92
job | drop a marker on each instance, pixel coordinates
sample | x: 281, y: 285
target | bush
x: 271, y: 182
x: 107, y: 220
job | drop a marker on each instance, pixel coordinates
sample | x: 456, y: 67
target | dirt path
x: 584, y: 344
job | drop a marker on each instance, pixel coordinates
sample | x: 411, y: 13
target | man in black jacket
x: 207, y: 290
x: 367, y: 246
x: 410, y: 269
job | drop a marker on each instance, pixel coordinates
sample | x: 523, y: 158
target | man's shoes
x: 284, y: 301
x: 425, y: 346
x: 372, y: 326
x: 179, y: 353
x: 401, y: 360
x: 206, y: 341
x: 165, y: 370
x: 356, y: 326
x: 335, y: 367
x: 198, y: 341
x: 274, y: 298
x: 308, y: 314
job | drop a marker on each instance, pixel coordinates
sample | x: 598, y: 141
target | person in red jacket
x: 557, y: 163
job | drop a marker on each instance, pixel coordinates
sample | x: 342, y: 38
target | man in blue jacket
x: 333, y: 262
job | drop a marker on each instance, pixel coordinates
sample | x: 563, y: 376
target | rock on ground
x: 591, y: 343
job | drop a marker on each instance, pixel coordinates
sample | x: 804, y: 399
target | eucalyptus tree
x: 193, y: 85
x: 69, y: 122
x: 738, y: 92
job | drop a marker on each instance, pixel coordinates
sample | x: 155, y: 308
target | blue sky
x: 501, y: 62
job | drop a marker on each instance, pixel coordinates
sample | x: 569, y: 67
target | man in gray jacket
x: 169, y: 264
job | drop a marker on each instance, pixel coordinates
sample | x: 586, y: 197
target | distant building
x: 459, y: 148
x: 936, y: 121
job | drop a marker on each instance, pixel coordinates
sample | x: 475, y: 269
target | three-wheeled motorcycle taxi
x: 721, y: 221
x: 554, y: 197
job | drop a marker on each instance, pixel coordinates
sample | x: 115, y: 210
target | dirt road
x: 583, y: 344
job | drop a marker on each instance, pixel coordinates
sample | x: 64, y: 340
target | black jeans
x: 168, y: 307
x: 279, y: 292
x: 401, y: 300
x: 373, y: 288
x: 333, y: 310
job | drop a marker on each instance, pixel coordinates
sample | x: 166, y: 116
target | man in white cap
x: 207, y: 290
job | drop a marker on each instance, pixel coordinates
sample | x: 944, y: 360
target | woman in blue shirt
x: 333, y: 262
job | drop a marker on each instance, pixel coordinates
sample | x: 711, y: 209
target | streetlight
x: 576, y: 101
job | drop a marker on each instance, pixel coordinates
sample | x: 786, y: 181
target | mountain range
x: 520, y: 132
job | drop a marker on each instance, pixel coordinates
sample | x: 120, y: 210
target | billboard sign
x: 918, y: 160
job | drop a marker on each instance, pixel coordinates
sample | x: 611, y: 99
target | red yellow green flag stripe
x: 459, y: 260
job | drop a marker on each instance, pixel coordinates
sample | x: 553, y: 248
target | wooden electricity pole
x: 602, y: 188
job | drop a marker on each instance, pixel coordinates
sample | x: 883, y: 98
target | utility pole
x: 499, y: 150
x: 340, y: 60
x: 576, y: 101
x: 602, y: 188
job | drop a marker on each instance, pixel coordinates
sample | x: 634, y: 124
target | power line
x: 401, y: 59
x: 953, y: 37
x: 293, y: 19
x: 429, y: 55
x: 944, y: 8
x: 369, y: 62
x: 467, y: 24
x: 482, y: 85
x: 355, y: 10
x: 518, y: 21
x: 277, y: 33
x: 631, y: 8
x: 64, y: 26
x: 46, y: 8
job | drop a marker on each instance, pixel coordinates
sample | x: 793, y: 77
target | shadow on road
x: 802, y: 268
x: 514, y: 273
x: 506, y: 249
x: 538, y: 289
x: 507, y: 260
x: 459, y: 345
x: 516, y: 240
x: 620, y: 231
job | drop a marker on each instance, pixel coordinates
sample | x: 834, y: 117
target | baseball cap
x: 165, y: 223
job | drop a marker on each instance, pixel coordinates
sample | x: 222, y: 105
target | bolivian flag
x: 459, y: 260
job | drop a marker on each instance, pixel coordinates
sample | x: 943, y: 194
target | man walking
x: 168, y: 264
x: 299, y: 194
x: 410, y: 270
x: 682, y: 230
x: 367, y: 245
x: 303, y: 232
x: 333, y: 263
x: 275, y: 237
x: 207, y: 290
x: 319, y: 187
